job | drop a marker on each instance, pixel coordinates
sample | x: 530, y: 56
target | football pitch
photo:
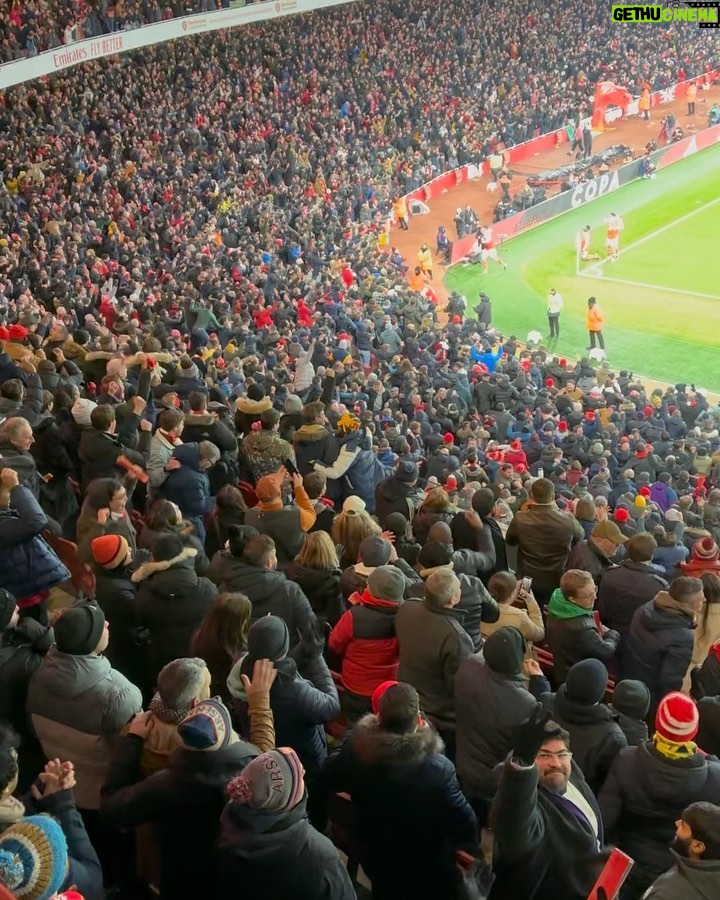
x: 660, y: 300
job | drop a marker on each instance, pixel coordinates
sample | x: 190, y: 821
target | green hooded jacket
x: 562, y: 608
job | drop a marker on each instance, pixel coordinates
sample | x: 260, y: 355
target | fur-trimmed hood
x: 186, y: 557
x: 309, y: 434
x: 374, y: 746
x: 253, y: 407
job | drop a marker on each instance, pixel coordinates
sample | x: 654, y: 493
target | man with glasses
x: 547, y: 825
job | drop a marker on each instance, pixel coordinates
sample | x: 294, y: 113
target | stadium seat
x: 82, y: 579
x: 248, y: 492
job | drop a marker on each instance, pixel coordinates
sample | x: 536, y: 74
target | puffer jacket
x: 172, y: 601
x: 314, y: 442
x: 321, y: 587
x: 393, y: 495
x: 76, y: 703
x: 624, y: 589
x: 22, y: 650
x: 188, y: 486
x: 301, y: 706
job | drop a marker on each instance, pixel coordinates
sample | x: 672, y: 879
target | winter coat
x: 76, y: 703
x: 432, y: 643
x: 184, y: 801
x: 27, y: 564
x: 689, y: 879
x: 321, y: 587
x: 542, y: 849
x: 188, y: 486
x: 595, y: 736
x: 644, y: 795
x: 277, y: 854
x: 268, y: 590
x: 88, y: 528
x: 658, y: 649
x: 23, y: 463
x: 365, y: 639
x: 528, y: 621
x: 205, y: 427
x: 284, y: 526
x: 22, y: 650
x: 172, y: 602
x: 149, y: 538
x: 393, y: 495
x: 266, y: 452
x: 301, y: 706
x: 704, y: 638
x: 586, y: 556
x: 402, y: 786
x: 488, y: 705
x: 116, y: 595
x: 57, y: 496
x: 572, y: 636
x: 99, y: 454
x: 355, y: 471
x: 544, y: 537
x: 624, y: 589
x: 314, y: 442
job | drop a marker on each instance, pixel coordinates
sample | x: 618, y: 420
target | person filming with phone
x: 288, y: 524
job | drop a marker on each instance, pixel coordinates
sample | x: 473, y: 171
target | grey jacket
x: 689, y: 879
x: 75, y: 704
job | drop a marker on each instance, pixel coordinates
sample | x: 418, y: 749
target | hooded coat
x: 314, y: 442
x: 189, y: 486
x: 21, y: 653
x: 572, y: 635
x: 321, y: 587
x: 624, y: 589
x: 402, y: 787
x: 689, y: 879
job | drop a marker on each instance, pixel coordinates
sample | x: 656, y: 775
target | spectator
x: 104, y: 511
x: 399, y: 492
x: 357, y: 467
x: 105, y: 454
x: 313, y: 442
x: 167, y: 437
x: 659, y: 644
x: 188, y: 486
x: 436, y: 507
x: 597, y: 554
x: 315, y: 485
x: 269, y: 799
x: 670, y: 552
x: 230, y: 509
x: 350, y: 528
x: 518, y: 609
x: 286, y: 525
x: 704, y: 557
x: 571, y: 631
x: 707, y: 631
x: 631, y: 702
x: 264, y: 450
x: 649, y: 786
x: 316, y: 569
x: 165, y: 517
x: 200, y: 425
x: 221, y: 639
x: 544, y: 537
x: 16, y: 438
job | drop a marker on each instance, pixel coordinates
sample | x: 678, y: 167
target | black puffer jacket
x: 21, y: 651
x: 595, y: 736
x: 626, y: 588
x: 393, y: 495
x: 116, y: 595
x: 321, y: 587
x: 642, y: 798
x: 172, y: 602
x: 268, y: 590
x: 314, y: 442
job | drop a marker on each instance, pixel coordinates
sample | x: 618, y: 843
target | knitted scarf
x: 165, y: 714
x: 672, y: 749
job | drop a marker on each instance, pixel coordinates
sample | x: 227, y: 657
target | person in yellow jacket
x: 425, y: 260
x: 644, y: 104
x: 400, y: 210
x: 595, y: 323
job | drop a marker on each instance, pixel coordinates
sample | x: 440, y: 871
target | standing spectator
x: 167, y: 437
x: 659, y: 644
x: 631, y: 702
x: 649, y: 786
x: 286, y: 525
x: 165, y: 517
x: 544, y: 537
x: 201, y: 425
x: 399, y: 492
x: 107, y: 454
x: 16, y: 438
x: 707, y: 632
x: 221, y: 639
x: 625, y: 588
x: 188, y: 485
x: 264, y: 450
x: 571, y: 631
x: 595, y: 555
x: 104, y: 511
x: 594, y: 323
x: 313, y: 441
x: 316, y: 569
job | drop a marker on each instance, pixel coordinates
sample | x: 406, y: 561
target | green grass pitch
x: 660, y: 300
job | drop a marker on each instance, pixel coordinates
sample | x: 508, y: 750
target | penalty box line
x: 600, y: 276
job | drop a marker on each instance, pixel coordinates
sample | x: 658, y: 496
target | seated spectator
x: 707, y: 632
x: 107, y: 454
x: 28, y: 565
x: 571, y: 631
x: 625, y: 588
x: 364, y: 639
x: 116, y: 595
x: 316, y: 569
x: 546, y: 822
x: 475, y: 604
x: 491, y: 699
x: 189, y: 485
x: 230, y: 509
x: 104, y: 511
x: 184, y: 800
x: 254, y: 573
x: 171, y: 599
x: 432, y: 642
x: 696, y: 851
x: 595, y: 736
x: 598, y: 553
x: 351, y: 526
x: 165, y: 517
x: 221, y: 639
x: 286, y: 525
x: 630, y: 703
x: 77, y: 701
x: 659, y: 644
x: 303, y: 697
x: 704, y: 557
x: 518, y: 609
x: 393, y: 767
x: 649, y: 786
x: 267, y: 810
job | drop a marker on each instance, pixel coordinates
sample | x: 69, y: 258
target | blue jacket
x: 27, y: 564
x: 188, y: 486
x: 488, y: 359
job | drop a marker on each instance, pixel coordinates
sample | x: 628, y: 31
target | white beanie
x: 81, y: 410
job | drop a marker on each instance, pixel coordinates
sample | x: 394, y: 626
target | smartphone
x: 526, y: 585
x: 290, y: 466
x: 612, y: 877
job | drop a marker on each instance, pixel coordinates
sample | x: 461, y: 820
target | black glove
x: 529, y: 737
x: 697, y: 690
x: 312, y: 642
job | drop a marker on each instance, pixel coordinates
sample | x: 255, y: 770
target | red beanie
x: 677, y: 718
x: 648, y: 410
x: 621, y: 514
x: 589, y: 416
x: 645, y: 491
x: 549, y: 382
x: 448, y: 438
x: 109, y: 550
x: 705, y: 550
x: 562, y: 363
x: 562, y: 426
x: 4, y: 335
x: 17, y: 333
x: 378, y: 692
x: 451, y: 483
x: 516, y: 445
x: 456, y: 320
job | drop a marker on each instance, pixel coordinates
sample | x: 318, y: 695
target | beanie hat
x: 33, y: 858
x: 109, y: 550
x: 78, y: 630
x: 645, y: 492
x: 705, y: 550
x: 621, y: 514
x: 448, y: 438
x: 8, y: 606
x: 640, y: 501
x: 374, y: 551
x: 562, y: 426
x: 677, y: 718
x: 256, y: 392
x: 206, y: 727
x: 4, y: 334
x: 268, y: 638
x: 81, y: 410
x: 586, y: 682
x: 378, y: 692
x: 504, y: 651
x: 704, y: 821
x: 272, y: 782
x: 435, y: 553
x: 406, y: 471
x: 17, y: 333
x: 293, y: 404
x: 631, y: 698
x: 387, y: 583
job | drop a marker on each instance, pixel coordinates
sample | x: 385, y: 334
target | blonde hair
x: 351, y: 529
x: 318, y: 552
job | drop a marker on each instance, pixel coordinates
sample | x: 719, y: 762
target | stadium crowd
x: 313, y: 503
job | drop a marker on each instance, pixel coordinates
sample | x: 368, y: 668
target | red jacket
x: 365, y: 638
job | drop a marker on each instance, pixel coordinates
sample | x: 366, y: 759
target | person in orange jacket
x: 690, y: 97
x: 594, y: 323
x: 644, y: 104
